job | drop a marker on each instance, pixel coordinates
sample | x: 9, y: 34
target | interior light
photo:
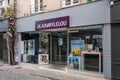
x: 111, y: 3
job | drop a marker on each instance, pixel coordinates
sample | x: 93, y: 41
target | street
x: 27, y: 72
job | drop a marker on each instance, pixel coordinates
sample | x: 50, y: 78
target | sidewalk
x: 41, y: 73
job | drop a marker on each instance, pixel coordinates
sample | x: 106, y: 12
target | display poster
x: 31, y: 47
x: 77, y: 46
x: 43, y: 59
x: 60, y: 41
x: 74, y: 62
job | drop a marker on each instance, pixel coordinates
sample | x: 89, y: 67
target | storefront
x: 3, y: 45
x: 51, y: 39
x: 54, y: 41
x: 55, y: 46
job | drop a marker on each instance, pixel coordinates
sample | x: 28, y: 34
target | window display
x: 87, y: 45
x: 29, y: 48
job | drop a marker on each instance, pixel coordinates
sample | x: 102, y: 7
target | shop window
x: 66, y: 3
x: 37, y: 6
x: 43, y: 43
x: 43, y: 56
x: 35, y: 47
x: 29, y: 48
x: 87, y: 44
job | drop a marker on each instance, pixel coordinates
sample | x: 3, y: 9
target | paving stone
x: 31, y: 72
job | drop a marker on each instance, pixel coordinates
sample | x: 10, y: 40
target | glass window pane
x: 92, y: 43
x: 36, y: 5
x: 68, y: 2
x: 41, y: 5
x: 44, y: 43
x: 75, y: 1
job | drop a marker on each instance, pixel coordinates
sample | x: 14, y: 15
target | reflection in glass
x: 43, y: 43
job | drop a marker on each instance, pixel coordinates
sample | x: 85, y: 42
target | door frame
x: 51, y: 46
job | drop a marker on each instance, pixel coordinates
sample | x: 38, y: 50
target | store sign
x: 60, y: 22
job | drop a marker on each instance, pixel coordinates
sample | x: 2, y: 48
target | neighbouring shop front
x: 54, y: 42
x: 115, y: 39
x: 3, y: 47
x: 3, y: 44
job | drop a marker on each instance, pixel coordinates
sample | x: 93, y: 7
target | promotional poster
x: 74, y: 62
x: 43, y: 59
x: 77, y: 46
x: 31, y: 47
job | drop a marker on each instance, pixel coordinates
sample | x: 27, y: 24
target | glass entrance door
x: 59, y: 48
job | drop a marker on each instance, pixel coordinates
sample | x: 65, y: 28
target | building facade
x: 47, y: 33
x: 60, y: 27
x: 39, y: 6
